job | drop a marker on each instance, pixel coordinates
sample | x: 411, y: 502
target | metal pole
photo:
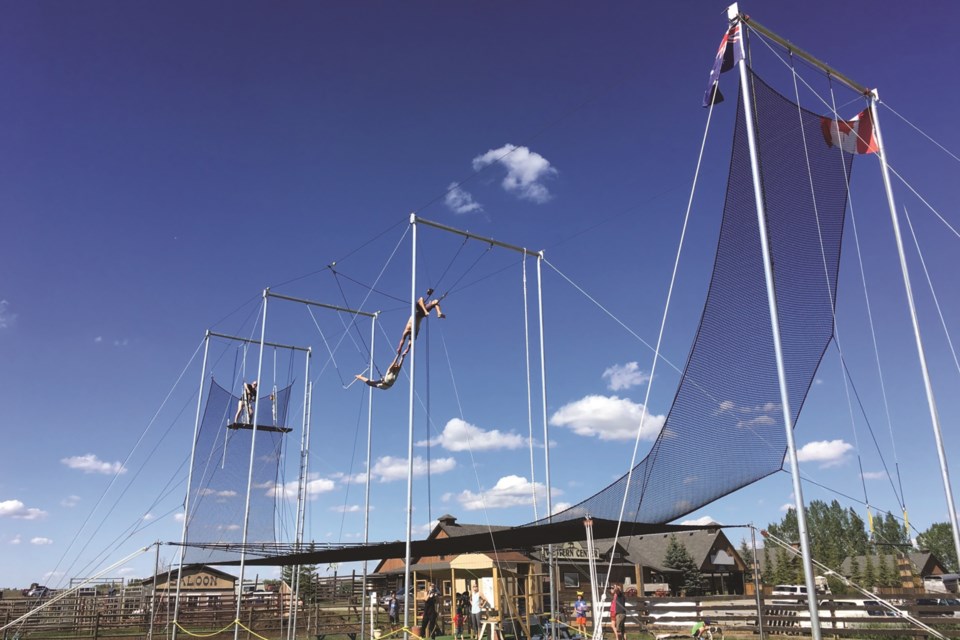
x: 546, y: 444
x: 526, y: 350
x: 301, y: 497
x: 756, y: 582
x: 927, y: 384
x: 153, y: 593
x: 413, y: 351
x: 253, y: 442
x: 467, y: 234
x: 592, y: 565
x: 366, y: 489
x: 775, y: 329
x: 186, y: 502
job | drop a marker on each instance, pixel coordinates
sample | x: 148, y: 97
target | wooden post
x: 96, y: 626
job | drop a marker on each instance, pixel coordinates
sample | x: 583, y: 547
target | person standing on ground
x: 477, y: 602
x: 618, y: 613
x: 580, y: 612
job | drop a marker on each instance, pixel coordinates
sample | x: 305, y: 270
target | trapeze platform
x: 260, y: 427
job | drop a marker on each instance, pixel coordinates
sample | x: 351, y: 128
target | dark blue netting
x: 725, y: 428
x: 220, y: 467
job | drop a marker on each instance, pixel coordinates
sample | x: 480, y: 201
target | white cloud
x: 39, y: 540
x: 701, y: 521
x: 829, y: 453
x: 70, y: 501
x: 607, y: 417
x: 561, y: 506
x: 90, y: 463
x: 624, y: 376
x: 459, y: 435
x: 786, y: 506
x: 460, y: 201
x: 389, y: 468
x: 425, y: 529
x: 289, y: 490
x: 18, y: 510
x: 510, y: 491
x: 874, y: 475
x: 15, y: 539
x: 226, y: 493
x: 7, y: 318
x: 98, y: 340
x: 178, y: 516
x: 525, y: 171
x: 351, y: 508
x: 52, y: 574
x: 147, y: 517
x: 125, y: 571
x: 121, y: 343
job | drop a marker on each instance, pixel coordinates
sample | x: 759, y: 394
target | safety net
x: 221, y: 465
x: 725, y: 427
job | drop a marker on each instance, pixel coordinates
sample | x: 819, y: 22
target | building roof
x: 170, y: 574
x: 448, y: 525
x: 650, y: 550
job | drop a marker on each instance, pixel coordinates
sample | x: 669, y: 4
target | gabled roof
x: 651, y: 549
x: 448, y: 525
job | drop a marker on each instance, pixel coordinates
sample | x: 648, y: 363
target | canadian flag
x: 853, y: 136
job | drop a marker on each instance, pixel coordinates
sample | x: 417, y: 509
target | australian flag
x: 728, y: 55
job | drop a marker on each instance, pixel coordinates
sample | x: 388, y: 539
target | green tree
x: 308, y: 581
x: 869, y: 574
x: 835, y: 532
x: 889, y: 535
x: 938, y: 540
x: 886, y: 576
x: 856, y: 571
x: 746, y: 554
x: 678, y: 558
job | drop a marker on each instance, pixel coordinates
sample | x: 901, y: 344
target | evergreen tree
x: 889, y: 535
x: 308, y: 581
x: 678, y: 558
x: 886, y: 577
x: 938, y: 540
x: 769, y: 570
x: 856, y: 572
x: 746, y: 553
x: 869, y: 574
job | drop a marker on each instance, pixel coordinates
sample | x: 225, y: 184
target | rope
x: 468, y: 270
x: 933, y: 293
x: 656, y: 358
x: 526, y: 350
x: 921, y: 132
x: 873, y: 330
x: 826, y: 273
x: 199, y: 634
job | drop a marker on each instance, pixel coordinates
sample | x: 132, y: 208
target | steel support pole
x: 253, y: 442
x: 153, y: 592
x: 186, y: 502
x: 526, y: 351
x: 756, y: 582
x: 366, y: 488
x: 927, y: 384
x: 301, y: 496
x: 546, y: 445
x: 747, y: 95
x: 413, y: 352
x: 592, y: 566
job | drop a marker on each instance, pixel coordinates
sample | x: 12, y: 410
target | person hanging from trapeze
x: 388, y: 378
x: 422, y: 310
x: 247, y: 401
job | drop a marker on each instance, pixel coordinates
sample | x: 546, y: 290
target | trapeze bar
x: 789, y: 46
x: 250, y: 341
x: 333, y: 307
x: 260, y: 427
x: 443, y: 227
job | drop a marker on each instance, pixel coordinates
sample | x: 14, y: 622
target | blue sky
x: 164, y: 164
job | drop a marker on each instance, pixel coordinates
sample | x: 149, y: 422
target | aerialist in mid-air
x: 388, y: 378
x: 422, y: 310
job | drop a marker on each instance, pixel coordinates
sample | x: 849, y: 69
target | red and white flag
x: 853, y: 136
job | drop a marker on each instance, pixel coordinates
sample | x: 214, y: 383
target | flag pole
x: 733, y: 15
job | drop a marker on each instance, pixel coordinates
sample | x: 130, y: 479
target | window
x: 571, y: 580
x: 446, y: 587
